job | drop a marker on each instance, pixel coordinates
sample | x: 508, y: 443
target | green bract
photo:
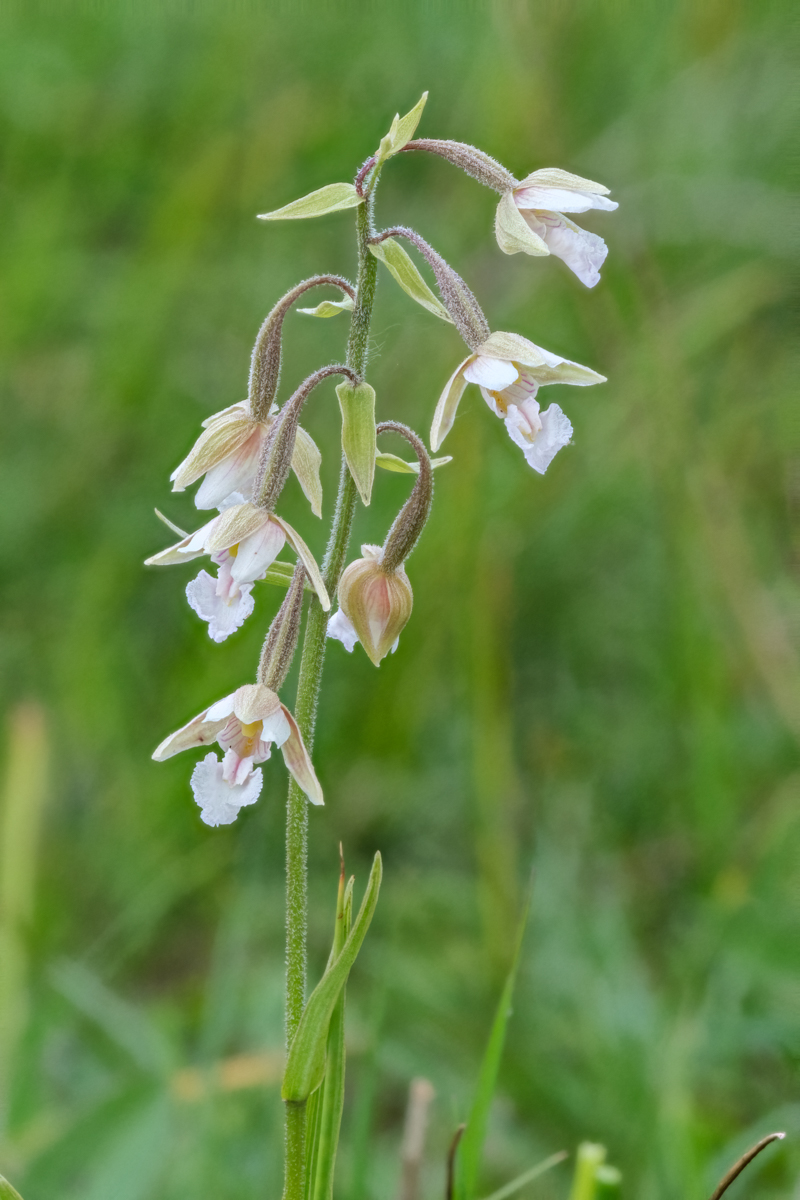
x: 326, y: 199
x: 305, y: 1068
x: 391, y: 462
x: 7, y: 1192
x: 401, y: 132
x: 393, y: 256
x: 329, y: 308
x: 358, y: 434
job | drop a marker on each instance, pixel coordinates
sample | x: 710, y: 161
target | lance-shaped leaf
x: 393, y: 256
x: 329, y: 308
x: 305, y: 1068
x: 358, y: 434
x: 330, y: 198
x: 7, y: 1192
x: 331, y: 1102
x: 471, y: 1146
x: 391, y: 462
x: 401, y: 132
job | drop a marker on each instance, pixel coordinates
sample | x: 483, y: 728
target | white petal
x: 222, y: 709
x: 224, y: 617
x: 494, y: 373
x: 583, y: 252
x: 231, y: 501
x: 275, y: 728
x: 220, y: 802
x: 258, y: 552
x: 233, y: 474
x: 339, y: 627
x: 561, y: 200
x: 556, y: 432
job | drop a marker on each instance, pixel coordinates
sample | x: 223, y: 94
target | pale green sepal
x: 330, y: 198
x: 391, y: 462
x: 590, y: 1156
x: 175, y: 528
x: 305, y: 1068
x: 470, y: 1148
x: 328, y: 308
x: 511, y: 1189
x: 7, y: 1192
x: 514, y: 235
x: 393, y: 256
x: 401, y: 132
x: 358, y: 434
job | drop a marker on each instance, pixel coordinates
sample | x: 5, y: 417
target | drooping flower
x: 530, y: 219
x: 509, y: 371
x: 374, y: 605
x: 228, y: 454
x: 245, y: 725
x: 243, y: 541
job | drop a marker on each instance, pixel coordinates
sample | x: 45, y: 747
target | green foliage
x: 305, y: 1067
x: 612, y: 691
x: 357, y: 405
x: 404, y: 270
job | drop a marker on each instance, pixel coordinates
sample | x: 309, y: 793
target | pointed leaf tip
x: 402, y: 131
x: 331, y: 198
x: 404, y: 270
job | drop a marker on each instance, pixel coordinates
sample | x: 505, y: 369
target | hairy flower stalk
x: 265, y: 364
x: 458, y: 299
x: 281, y: 640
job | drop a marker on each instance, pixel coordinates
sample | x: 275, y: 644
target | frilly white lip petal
x: 340, y: 628
x: 555, y: 433
x: 582, y: 251
x: 224, y: 616
x: 494, y: 373
x: 219, y: 802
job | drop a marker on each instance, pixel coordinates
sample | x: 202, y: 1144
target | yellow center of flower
x: 499, y: 401
x: 251, y: 734
x: 233, y: 550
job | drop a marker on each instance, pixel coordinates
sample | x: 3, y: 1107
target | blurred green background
x: 601, y: 677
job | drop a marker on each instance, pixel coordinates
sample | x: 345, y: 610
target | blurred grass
x: 601, y: 674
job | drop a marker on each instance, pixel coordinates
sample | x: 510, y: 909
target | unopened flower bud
x: 376, y: 602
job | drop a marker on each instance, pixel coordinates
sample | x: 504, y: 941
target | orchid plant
x: 243, y: 458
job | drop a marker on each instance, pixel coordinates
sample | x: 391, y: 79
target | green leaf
x: 332, y: 1103
x: 471, y: 1146
x: 7, y: 1192
x: 512, y: 1188
x: 329, y: 308
x: 305, y: 1067
x: 358, y: 434
x: 393, y: 256
x: 330, y: 198
x: 390, y: 462
x: 401, y: 132
x: 589, y: 1158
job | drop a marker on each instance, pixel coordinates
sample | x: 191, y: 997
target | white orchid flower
x: 243, y: 541
x: 245, y: 725
x: 228, y: 454
x: 509, y: 371
x: 530, y: 219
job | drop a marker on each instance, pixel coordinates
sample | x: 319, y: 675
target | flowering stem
x: 311, y: 664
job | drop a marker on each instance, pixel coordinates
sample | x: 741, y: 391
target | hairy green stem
x: 311, y: 664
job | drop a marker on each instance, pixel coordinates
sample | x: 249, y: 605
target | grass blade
x: 528, y: 1177
x: 471, y: 1148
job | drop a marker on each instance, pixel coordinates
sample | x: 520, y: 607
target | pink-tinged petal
x: 257, y: 552
x: 583, y: 252
x: 340, y: 628
x: 493, y: 373
x: 299, y: 763
x: 218, y: 801
x: 224, y: 615
x: 235, y: 767
x: 447, y: 407
x: 234, y: 473
x: 200, y: 731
